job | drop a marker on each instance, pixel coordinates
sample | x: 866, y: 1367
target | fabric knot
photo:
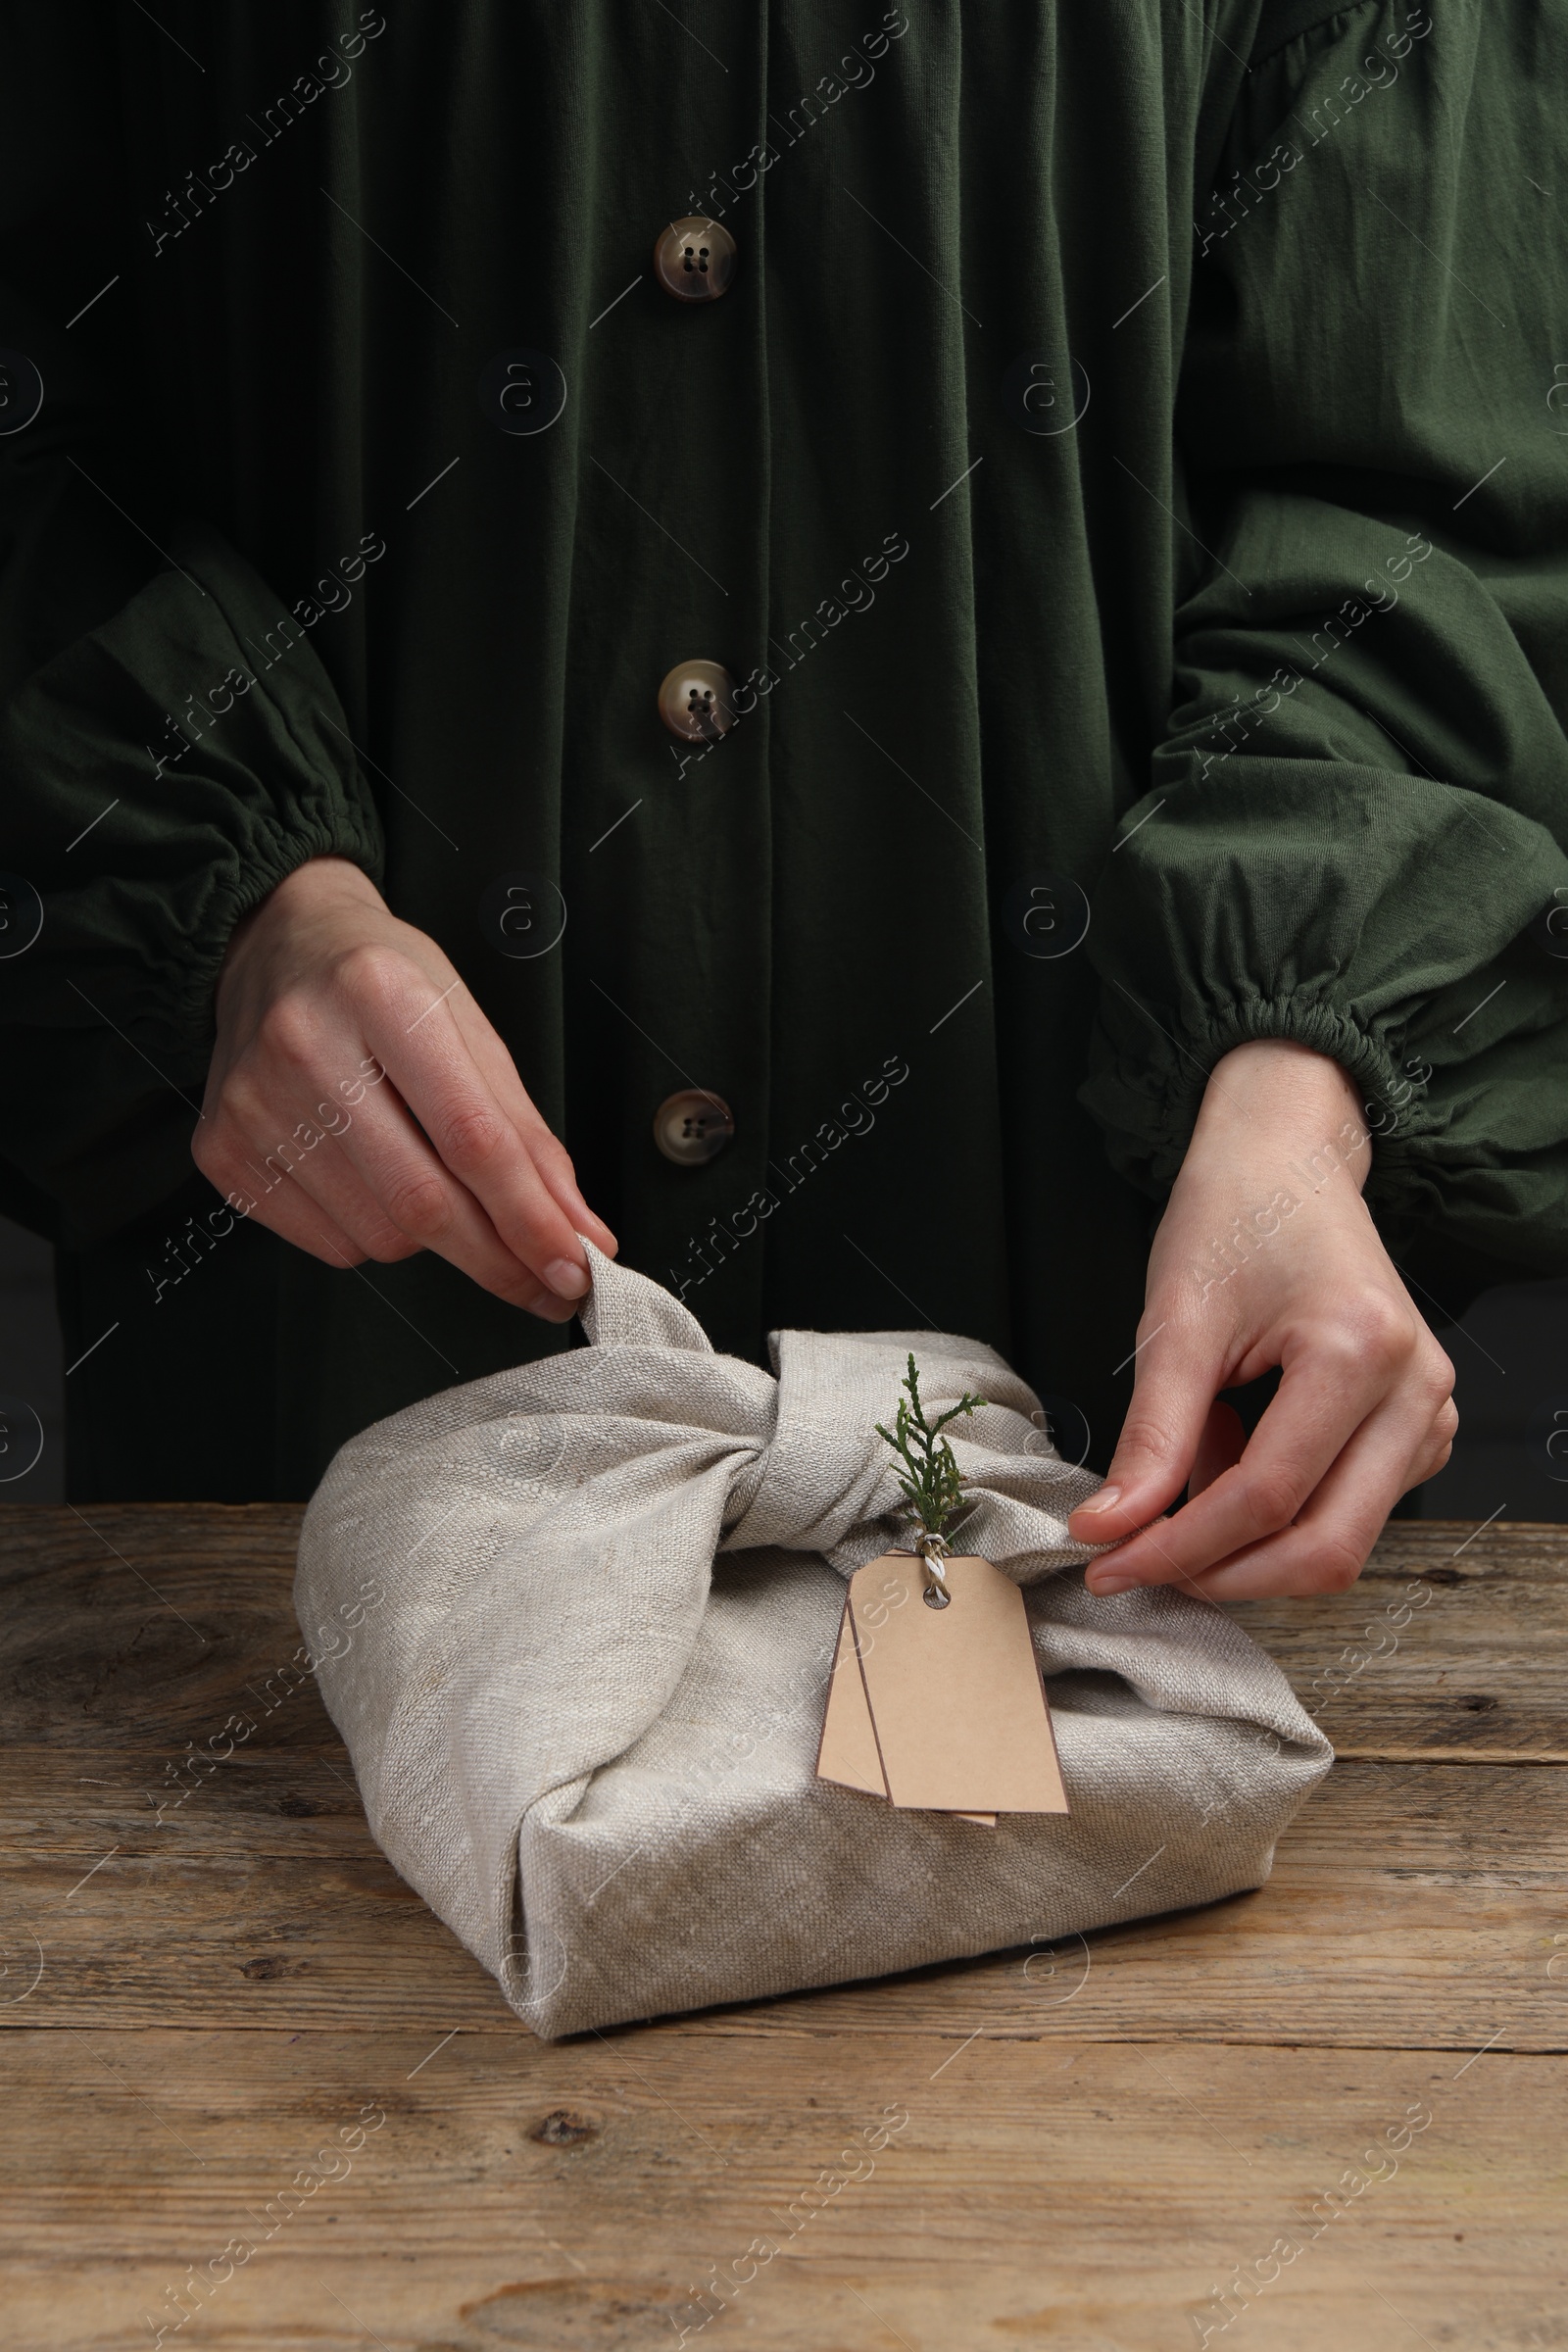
x: 808, y: 1487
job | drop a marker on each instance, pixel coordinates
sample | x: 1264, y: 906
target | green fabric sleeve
x: 171, y: 744
x: 1354, y: 832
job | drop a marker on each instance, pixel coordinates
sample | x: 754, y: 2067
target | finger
x: 317, y: 1156
x: 428, y: 1048
x: 545, y: 1148
x: 1327, y: 1390
x: 1178, y: 1370
x: 310, y: 1188
x: 386, y: 1188
x: 426, y: 1054
x: 280, y: 1205
x: 1440, y: 1446
x: 1331, y: 1540
x: 1222, y: 1444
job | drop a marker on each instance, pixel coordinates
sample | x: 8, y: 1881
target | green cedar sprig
x: 932, y: 1483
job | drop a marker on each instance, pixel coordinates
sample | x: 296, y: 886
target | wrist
x: 1275, y: 1097
x: 321, y: 882
x: 272, y: 933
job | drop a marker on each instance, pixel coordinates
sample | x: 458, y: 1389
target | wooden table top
x: 249, y: 2079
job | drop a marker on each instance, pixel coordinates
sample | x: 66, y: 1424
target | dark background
x: 1510, y: 1353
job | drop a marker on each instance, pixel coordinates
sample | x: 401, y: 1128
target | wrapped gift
x: 586, y: 1700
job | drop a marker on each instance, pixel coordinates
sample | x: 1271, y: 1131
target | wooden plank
x: 288, y: 1801
x: 151, y: 1625
x: 575, y: 2196
x: 259, y: 1886
x: 1408, y: 1907
x: 253, y: 1538
x: 1451, y: 1645
x: 149, y: 1628
x: 1106, y: 2139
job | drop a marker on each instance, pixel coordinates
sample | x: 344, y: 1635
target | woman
x: 869, y: 668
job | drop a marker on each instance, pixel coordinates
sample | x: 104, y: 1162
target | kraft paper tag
x: 950, y: 1714
x: 848, y: 1752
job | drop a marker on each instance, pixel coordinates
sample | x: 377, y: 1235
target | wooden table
x: 1112, y: 2143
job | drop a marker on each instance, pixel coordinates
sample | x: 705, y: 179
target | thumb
x: 1176, y: 1384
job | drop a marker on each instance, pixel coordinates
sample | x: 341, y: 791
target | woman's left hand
x: 1266, y: 1255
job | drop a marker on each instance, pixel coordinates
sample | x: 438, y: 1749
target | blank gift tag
x: 848, y: 1750
x: 957, y: 1702
x: 848, y: 1753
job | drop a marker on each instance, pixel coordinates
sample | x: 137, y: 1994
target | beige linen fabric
x: 584, y: 1716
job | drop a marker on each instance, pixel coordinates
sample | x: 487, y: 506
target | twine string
x: 931, y: 1549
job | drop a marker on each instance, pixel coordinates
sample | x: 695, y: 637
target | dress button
x: 697, y: 702
x: 691, y: 1127
x: 694, y: 259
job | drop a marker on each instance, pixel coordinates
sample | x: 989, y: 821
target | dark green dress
x: 1127, y: 481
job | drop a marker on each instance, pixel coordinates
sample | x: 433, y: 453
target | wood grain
x: 200, y: 1998
x: 1436, y: 1897
x: 191, y: 1619
x: 1479, y: 1668
x: 575, y: 2195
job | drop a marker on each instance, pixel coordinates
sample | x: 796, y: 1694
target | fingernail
x: 1103, y: 1501
x: 564, y: 1278
x: 1111, y: 1583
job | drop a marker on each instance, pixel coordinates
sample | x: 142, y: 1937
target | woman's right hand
x: 361, y: 1102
